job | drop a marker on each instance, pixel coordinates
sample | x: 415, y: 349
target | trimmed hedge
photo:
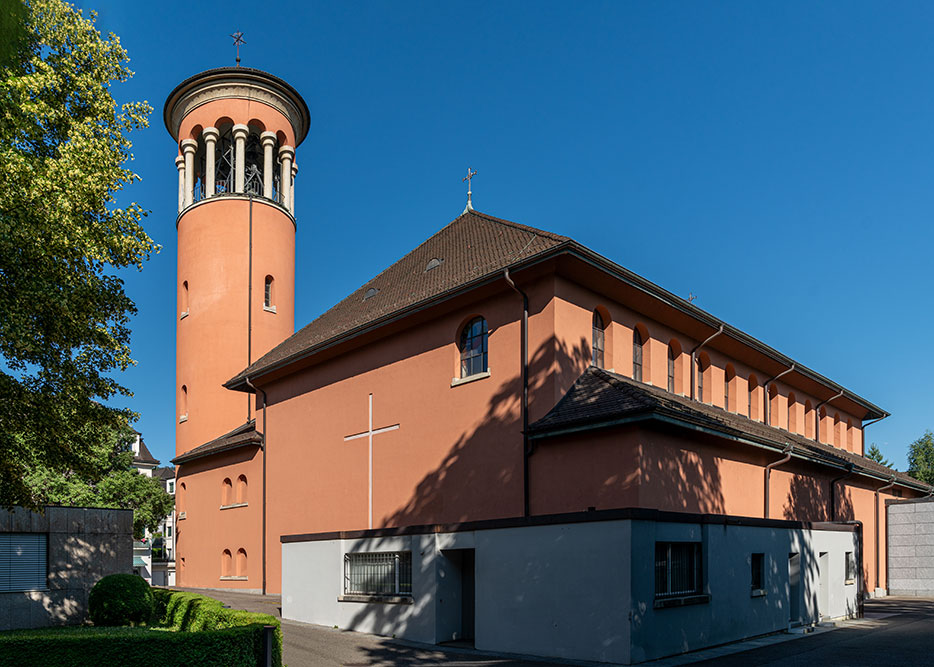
x: 120, y: 599
x: 197, y: 631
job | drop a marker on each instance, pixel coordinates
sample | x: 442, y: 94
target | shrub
x: 120, y: 599
x: 132, y: 647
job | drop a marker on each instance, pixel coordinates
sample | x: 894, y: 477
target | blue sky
x: 773, y: 158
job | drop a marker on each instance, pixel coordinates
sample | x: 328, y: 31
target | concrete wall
x: 733, y: 612
x: 581, y: 591
x: 911, y: 547
x: 83, y: 545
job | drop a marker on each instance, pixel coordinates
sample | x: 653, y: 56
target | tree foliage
x: 114, y: 483
x: 921, y: 458
x: 63, y: 314
x: 875, y: 454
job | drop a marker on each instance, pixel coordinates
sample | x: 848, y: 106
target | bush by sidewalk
x: 193, y: 630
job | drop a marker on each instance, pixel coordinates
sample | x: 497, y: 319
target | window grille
x: 757, y: 566
x: 726, y: 391
x: 636, y: 355
x: 677, y: 569
x: 598, y: 340
x: 379, y: 573
x: 474, y: 348
x: 23, y: 562
x: 253, y: 166
x: 850, y: 566
x: 224, y: 163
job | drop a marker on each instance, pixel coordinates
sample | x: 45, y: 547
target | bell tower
x: 237, y: 129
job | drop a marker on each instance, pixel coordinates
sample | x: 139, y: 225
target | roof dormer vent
x: 433, y: 263
x: 370, y: 293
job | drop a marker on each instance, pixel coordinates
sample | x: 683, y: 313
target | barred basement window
x: 850, y: 567
x: 23, y: 562
x: 677, y: 569
x: 379, y: 573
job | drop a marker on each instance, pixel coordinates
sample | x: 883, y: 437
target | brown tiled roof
x: 471, y: 248
x: 144, y: 456
x: 599, y: 399
x: 242, y: 436
x: 164, y: 473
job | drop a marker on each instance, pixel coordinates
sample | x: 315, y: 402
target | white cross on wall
x: 369, y: 433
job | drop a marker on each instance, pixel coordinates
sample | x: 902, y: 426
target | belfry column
x: 286, y: 156
x: 188, y: 148
x: 210, y: 135
x: 269, y: 142
x: 180, y: 165
x: 240, y: 133
x: 292, y: 189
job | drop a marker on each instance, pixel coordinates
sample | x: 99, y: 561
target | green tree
x: 875, y: 454
x: 63, y: 314
x: 921, y: 458
x: 115, y: 484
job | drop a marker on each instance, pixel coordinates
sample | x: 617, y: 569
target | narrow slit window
x: 269, y: 296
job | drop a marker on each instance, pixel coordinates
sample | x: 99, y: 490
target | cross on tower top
x: 238, y: 40
x: 470, y: 175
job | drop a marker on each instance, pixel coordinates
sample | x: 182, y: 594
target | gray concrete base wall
x: 581, y: 591
x: 84, y: 545
x: 910, y: 543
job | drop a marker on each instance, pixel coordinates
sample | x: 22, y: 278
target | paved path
x: 895, y: 631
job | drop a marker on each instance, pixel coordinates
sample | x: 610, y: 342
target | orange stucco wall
x: 207, y: 530
x: 213, y: 259
x: 668, y: 469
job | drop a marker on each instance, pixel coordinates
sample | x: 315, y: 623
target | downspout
x: 765, y: 393
x: 265, y: 428
x: 768, y: 474
x: 817, y: 414
x: 525, y: 392
x: 863, y: 431
x: 833, y: 490
x: 249, y: 311
x: 881, y: 488
x: 694, y: 360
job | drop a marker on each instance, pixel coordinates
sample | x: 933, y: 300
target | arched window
x: 183, y: 298
x: 183, y: 404
x: 598, y: 340
x: 808, y: 419
x: 838, y: 438
x: 226, y: 492
x: 753, y: 387
x: 729, y: 374
x: 637, y: 343
x: 703, y: 364
x: 822, y: 423
x: 241, y: 489
x: 181, y: 497
x: 269, y: 295
x: 226, y: 563
x: 241, y: 562
x: 774, y: 406
x: 474, y: 348
x: 671, y: 369
x: 849, y: 435
x: 792, y: 422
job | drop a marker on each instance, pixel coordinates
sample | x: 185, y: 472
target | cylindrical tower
x: 237, y: 129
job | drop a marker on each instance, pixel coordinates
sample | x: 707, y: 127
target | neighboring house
x: 163, y: 554
x: 504, y: 437
x: 49, y: 562
x: 145, y: 463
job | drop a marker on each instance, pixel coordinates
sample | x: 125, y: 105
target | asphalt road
x: 895, y: 631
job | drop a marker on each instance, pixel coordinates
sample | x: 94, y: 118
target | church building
x: 504, y: 438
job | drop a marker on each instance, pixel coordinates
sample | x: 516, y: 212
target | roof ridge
x: 517, y: 225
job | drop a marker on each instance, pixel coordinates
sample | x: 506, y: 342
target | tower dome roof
x: 236, y: 82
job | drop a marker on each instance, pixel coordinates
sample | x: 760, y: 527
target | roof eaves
x: 586, y: 254
x: 238, y: 382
